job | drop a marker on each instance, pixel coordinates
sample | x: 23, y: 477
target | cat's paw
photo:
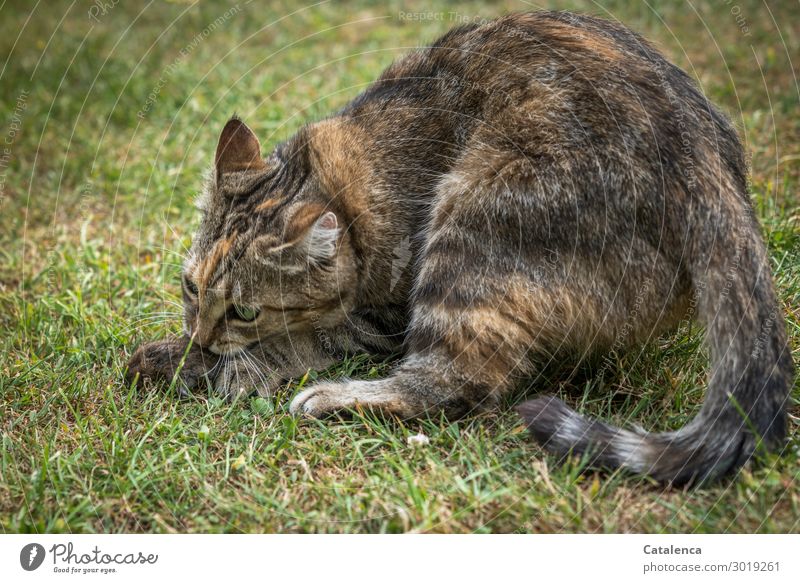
x: 328, y: 399
x: 380, y: 396
x: 323, y: 400
x: 161, y: 361
x: 231, y: 388
x: 240, y: 378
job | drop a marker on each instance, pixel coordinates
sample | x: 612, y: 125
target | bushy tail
x: 751, y: 376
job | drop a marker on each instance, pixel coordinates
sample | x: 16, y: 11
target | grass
x: 110, y: 123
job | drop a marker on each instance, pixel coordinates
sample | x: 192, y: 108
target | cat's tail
x: 750, y: 380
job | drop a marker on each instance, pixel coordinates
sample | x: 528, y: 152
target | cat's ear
x: 317, y: 240
x: 238, y: 149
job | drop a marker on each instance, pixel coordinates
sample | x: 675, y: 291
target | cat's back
x: 567, y: 92
x: 513, y: 53
x: 555, y: 75
x: 558, y: 84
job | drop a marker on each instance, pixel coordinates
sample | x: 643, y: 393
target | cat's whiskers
x: 217, y: 365
x: 183, y: 256
x: 236, y: 372
x: 156, y: 315
x: 171, y: 264
x: 164, y: 317
x: 252, y: 364
x: 247, y: 369
x: 225, y: 360
x: 173, y: 303
x: 177, y: 236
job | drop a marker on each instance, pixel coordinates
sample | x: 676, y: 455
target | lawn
x: 110, y: 115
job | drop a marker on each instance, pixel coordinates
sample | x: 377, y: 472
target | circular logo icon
x: 31, y: 556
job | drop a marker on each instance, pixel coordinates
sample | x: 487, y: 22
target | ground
x: 110, y: 113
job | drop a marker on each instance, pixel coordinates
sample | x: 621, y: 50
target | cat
x: 542, y: 185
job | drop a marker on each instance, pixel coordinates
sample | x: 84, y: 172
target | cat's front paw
x: 328, y: 399
x: 380, y: 396
x: 241, y: 378
x: 320, y: 400
x: 161, y: 361
x: 230, y: 387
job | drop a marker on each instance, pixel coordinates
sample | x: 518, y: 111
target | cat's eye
x: 191, y: 287
x: 245, y: 314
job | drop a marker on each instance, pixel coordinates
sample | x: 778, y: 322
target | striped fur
x: 541, y: 185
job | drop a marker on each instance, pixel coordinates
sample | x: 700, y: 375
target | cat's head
x: 271, y: 256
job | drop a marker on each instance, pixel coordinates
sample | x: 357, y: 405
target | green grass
x: 97, y: 207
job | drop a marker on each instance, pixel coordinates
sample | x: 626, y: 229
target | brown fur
x: 542, y: 185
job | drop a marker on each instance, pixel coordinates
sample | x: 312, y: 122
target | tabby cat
x: 541, y: 185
